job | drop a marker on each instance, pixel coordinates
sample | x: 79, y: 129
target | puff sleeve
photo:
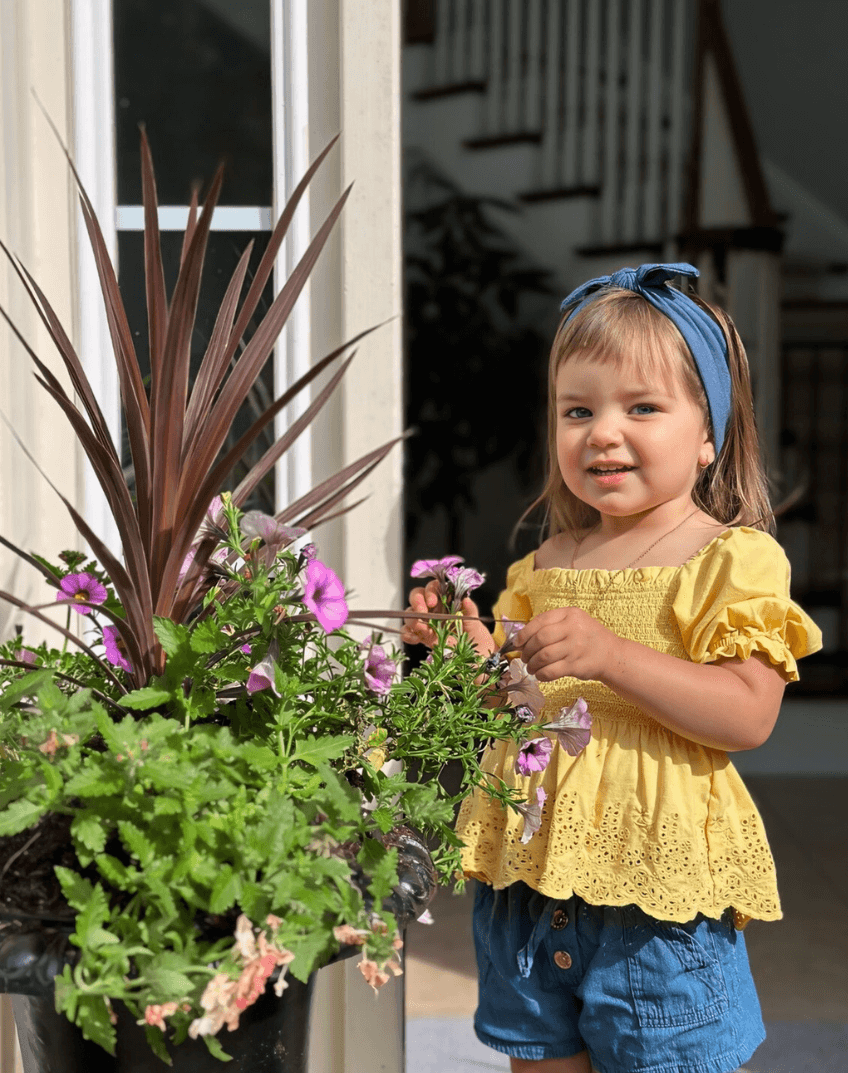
x: 734, y: 600
x: 514, y: 602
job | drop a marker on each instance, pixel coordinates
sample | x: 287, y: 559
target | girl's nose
x: 604, y: 431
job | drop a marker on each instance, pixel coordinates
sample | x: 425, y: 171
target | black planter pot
x: 273, y: 1033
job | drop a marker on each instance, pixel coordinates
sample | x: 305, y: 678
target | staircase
x: 578, y: 111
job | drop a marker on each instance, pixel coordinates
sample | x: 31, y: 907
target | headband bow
x: 702, y: 335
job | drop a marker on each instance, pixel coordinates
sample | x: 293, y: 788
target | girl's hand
x: 567, y: 641
x: 418, y: 631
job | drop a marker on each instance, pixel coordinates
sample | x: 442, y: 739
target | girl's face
x: 627, y: 441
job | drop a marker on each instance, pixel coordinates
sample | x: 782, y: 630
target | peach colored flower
x: 155, y: 1014
x: 372, y: 974
x: 350, y: 936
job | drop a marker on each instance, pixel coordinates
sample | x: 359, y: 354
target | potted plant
x: 201, y: 800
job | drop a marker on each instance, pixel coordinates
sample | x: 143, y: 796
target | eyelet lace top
x: 642, y: 815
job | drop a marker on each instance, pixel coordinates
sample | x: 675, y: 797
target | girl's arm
x: 730, y: 705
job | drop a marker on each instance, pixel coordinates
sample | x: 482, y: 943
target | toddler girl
x: 611, y: 939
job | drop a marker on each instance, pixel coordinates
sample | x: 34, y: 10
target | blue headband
x: 702, y: 335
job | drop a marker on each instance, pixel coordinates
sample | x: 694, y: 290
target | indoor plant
x: 207, y: 766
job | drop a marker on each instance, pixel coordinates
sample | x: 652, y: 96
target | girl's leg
x: 578, y: 1063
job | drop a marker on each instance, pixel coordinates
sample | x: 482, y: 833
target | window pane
x: 222, y: 255
x: 198, y: 74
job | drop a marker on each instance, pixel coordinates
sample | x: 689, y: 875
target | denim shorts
x: 558, y: 977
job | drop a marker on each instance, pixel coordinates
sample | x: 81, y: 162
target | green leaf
x: 30, y: 685
x: 147, y: 697
x: 87, y: 828
x: 136, y: 842
x: 20, y: 815
x: 171, y: 985
x: 207, y: 637
x: 77, y: 891
x: 98, y: 937
x: 317, y: 751
x: 96, y: 782
x: 215, y: 1048
x: 171, y: 635
x: 156, y: 1040
x: 93, y: 1018
x: 52, y: 777
x: 225, y: 890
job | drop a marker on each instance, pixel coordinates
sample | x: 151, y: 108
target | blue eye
x: 584, y: 412
x: 645, y: 406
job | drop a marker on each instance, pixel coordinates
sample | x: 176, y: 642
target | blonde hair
x: 621, y: 327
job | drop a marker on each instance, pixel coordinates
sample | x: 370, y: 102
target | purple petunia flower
x: 532, y: 815
x: 522, y: 688
x: 323, y: 594
x: 246, y: 649
x: 463, y: 579
x: 24, y: 655
x: 533, y: 756
x: 115, y: 651
x: 263, y: 676
x: 257, y: 525
x: 309, y: 551
x: 379, y: 669
x: 572, y: 726
x: 436, y: 568
x: 74, y: 587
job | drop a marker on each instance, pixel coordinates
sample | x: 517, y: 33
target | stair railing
x: 602, y: 85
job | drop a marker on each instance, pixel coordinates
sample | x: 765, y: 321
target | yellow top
x: 642, y: 815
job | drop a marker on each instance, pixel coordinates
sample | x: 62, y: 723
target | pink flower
x: 522, y: 688
x: 436, y: 568
x: 572, y: 726
x: 258, y: 526
x: 155, y: 1015
x: 532, y: 815
x: 379, y: 669
x: 115, y: 651
x: 263, y: 676
x: 463, y: 579
x: 245, y: 649
x: 533, y: 755
x: 75, y: 587
x: 323, y: 594
x: 23, y: 655
x: 309, y: 551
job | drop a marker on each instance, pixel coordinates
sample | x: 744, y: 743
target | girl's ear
x: 707, y: 454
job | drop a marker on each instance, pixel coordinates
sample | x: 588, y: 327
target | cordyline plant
x: 215, y: 750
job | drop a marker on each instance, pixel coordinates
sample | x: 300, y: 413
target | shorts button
x: 563, y: 959
x: 559, y: 919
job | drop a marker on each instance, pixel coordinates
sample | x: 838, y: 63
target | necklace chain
x: 642, y: 554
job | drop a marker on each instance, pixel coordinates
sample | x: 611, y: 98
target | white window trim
x: 293, y: 354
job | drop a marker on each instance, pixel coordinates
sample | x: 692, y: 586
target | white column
x: 354, y: 63
x: 94, y: 154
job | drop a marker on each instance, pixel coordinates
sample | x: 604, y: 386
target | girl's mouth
x: 609, y: 476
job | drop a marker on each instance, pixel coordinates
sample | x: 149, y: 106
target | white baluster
x: 634, y: 110
x: 572, y: 90
x: 656, y: 102
x: 493, y: 103
x: 532, y: 118
x: 681, y: 96
x: 477, y: 63
x: 590, y: 172
x: 461, y: 43
x: 612, y: 126
x: 514, y: 68
x: 550, y: 156
x: 442, y: 48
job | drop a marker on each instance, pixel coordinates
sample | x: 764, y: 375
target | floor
x: 800, y: 964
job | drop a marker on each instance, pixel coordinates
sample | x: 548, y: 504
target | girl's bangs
x: 621, y: 329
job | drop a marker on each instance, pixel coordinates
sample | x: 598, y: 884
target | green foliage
x: 193, y: 801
